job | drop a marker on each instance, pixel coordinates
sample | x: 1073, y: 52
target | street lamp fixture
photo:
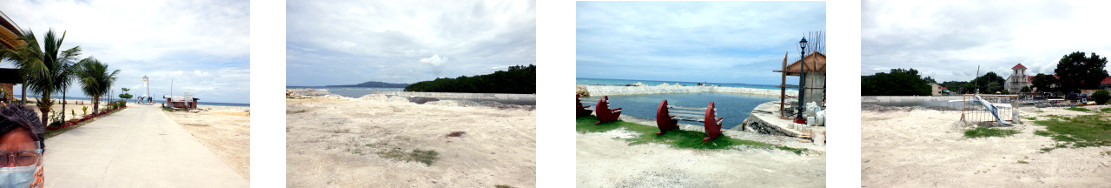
x: 802, y: 81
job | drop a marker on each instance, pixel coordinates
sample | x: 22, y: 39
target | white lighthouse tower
x: 146, y: 83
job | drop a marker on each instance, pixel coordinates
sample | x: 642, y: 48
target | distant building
x: 936, y: 89
x: 1017, y: 80
x: 9, y: 32
x: 8, y: 79
x: 1106, y: 83
x: 181, y: 101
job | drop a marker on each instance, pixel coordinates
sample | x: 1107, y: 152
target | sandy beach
x: 334, y: 141
x: 604, y: 159
x: 225, y: 130
x: 73, y: 106
x: 918, y: 147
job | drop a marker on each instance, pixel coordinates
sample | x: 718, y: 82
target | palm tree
x: 96, y: 81
x: 25, y: 59
x: 50, y: 67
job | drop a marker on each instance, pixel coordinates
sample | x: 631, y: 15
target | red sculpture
x: 664, y: 120
x: 581, y: 111
x: 605, y: 114
x: 713, y: 124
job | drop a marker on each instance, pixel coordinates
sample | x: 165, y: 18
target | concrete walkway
x: 137, y: 147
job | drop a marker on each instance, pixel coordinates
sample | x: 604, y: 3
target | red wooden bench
x: 712, y: 123
x: 604, y: 113
x: 581, y: 111
x: 664, y: 120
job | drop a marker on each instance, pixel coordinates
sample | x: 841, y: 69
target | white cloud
x: 435, y: 60
x: 161, y: 39
x: 947, y: 40
x: 406, y: 37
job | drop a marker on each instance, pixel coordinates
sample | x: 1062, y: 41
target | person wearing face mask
x: 21, y: 147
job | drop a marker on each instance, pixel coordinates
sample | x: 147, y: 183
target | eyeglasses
x: 20, y: 158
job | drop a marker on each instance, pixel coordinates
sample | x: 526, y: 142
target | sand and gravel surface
x: 605, y: 159
x: 226, y: 130
x: 919, y: 147
x: 335, y: 141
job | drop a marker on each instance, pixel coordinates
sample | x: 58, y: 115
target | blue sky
x: 203, y: 46
x: 350, y: 42
x: 718, y: 42
x: 947, y: 40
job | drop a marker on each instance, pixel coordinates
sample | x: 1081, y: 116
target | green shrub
x: 1101, y: 96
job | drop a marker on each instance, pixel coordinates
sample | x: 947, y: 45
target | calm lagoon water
x: 735, y: 108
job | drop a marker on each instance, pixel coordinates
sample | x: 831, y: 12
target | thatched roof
x: 815, y: 62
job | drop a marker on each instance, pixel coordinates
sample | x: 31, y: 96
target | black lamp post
x: 802, y: 81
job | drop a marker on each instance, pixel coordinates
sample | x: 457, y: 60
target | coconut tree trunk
x: 23, y: 97
x: 96, y: 104
x: 64, y: 105
x: 44, y: 107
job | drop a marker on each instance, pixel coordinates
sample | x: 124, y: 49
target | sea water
x: 353, y: 92
x: 356, y: 92
x: 619, y: 82
x: 733, y: 107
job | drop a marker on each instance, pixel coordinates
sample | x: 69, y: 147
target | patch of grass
x: 1042, y: 133
x: 644, y: 134
x: 1023, y: 162
x: 1105, y: 153
x: 1039, y: 111
x: 503, y: 186
x: 422, y: 156
x: 980, y: 132
x: 1078, y: 109
x: 1031, y: 118
x: 1105, y: 110
x: 1079, y: 131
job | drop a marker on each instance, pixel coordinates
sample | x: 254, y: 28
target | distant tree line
x: 1074, y: 72
x: 517, y: 79
x: 896, y: 82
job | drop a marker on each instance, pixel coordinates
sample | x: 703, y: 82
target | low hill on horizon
x: 373, y: 84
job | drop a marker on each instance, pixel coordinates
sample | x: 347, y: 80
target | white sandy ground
x: 926, y: 148
x: 606, y: 160
x: 72, y: 108
x: 226, y: 130
x: 332, y: 142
